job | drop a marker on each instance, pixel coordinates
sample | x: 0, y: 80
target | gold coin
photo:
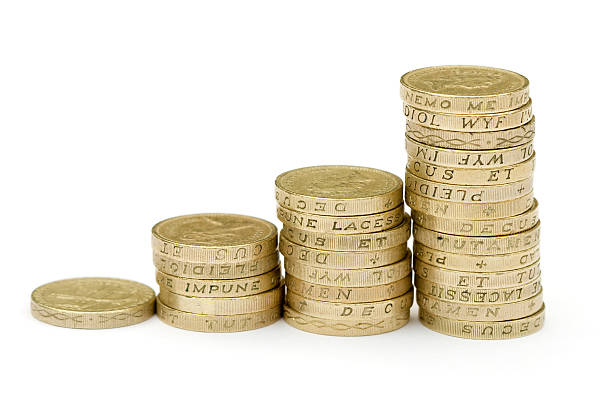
x: 222, y: 306
x: 468, y: 211
x: 352, y: 242
x: 471, y: 177
x: 341, y: 260
x: 478, y: 245
x: 350, y: 277
x: 467, y: 159
x: 217, y: 323
x: 464, y: 89
x: 93, y: 303
x: 221, y: 287
x: 214, y: 238
x: 350, y: 311
x: 347, y: 294
x: 215, y: 270
x: 493, y: 227
x: 468, y: 194
x: 478, y: 312
x: 507, y: 329
x: 476, y: 263
x: 330, y: 327
x: 477, y: 280
x: 480, y: 296
x: 338, y: 190
x: 476, y: 122
x: 342, y: 225
x: 500, y: 139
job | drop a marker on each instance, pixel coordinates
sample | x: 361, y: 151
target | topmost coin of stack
x: 344, y: 239
x: 469, y: 183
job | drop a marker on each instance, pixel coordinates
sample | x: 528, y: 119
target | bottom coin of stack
x: 217, y: 272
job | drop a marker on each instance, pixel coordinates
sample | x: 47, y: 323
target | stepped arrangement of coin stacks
x: 469, y: 183
x: 217, y: 272
x: 344, y: 242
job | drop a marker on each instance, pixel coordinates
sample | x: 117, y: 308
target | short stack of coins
x: 217, y: 272
x: 469, y: 183
x: 344, y: 242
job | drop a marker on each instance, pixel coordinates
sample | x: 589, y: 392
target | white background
x: 117, y: 114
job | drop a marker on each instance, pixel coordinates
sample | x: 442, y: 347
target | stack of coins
x: 469, y: 179
x: 344, y: 242
x: 217, y: 272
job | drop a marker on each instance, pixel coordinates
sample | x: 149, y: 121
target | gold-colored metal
x: 480, y: 296
x: 495, y: 245
x: 331, y: 327
x: 466, y: 159
x: 341, y: 259
x: 349, y: 278
x: 214, y: 270
x: 477, y: 122
x: 500, y: 139
x: 93, y: 303
x: 342, y: 225
x: 476, y: 263
x: 223, y: 306
x: 471, y: 177
x: 214, y: 238
x: 218, y: 323
x: 507, y: 329
x: 493, y: 227
x: 479, y: 312
x: 477, y: 280
x: 464, y: 89
x: 221, y: 288
x: 468, y: 194
x: 353, y: 242
x: 338, y: 190
x: 347, y: 294
x: 468, y: 211
x: 350, y: 311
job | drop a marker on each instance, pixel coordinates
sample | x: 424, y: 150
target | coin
x: 350, y: 242
x: 492, y: 227
x: 478, y: 245
x: 338, y: 190
x: 222, y: 306
x: 499, y: 139
x: 342, y: 225
x: 331, y: 327
x: 469, y: 122
x: 214, y: 238
x: 484, y: 330
x: 341, y: 259
x: 93, y: 303
x: 217, y: 323
x: 464, y: 89
x: 220, y: 287
x: 480, y: 312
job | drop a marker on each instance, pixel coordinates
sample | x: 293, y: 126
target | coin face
x: 92, y: 295
x: 338, y: 182
x: 214, y: 230
x: 464, y: 80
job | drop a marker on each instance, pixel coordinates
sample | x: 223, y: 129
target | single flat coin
x: 93, y: 303
x: 464, y: 89
x: 218, y: 323
x: 335, y: 327
x: 214, y: 238
x: 339, y: 190
x: 466, y: 329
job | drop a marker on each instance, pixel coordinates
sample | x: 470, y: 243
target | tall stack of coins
x: 217, y: 272
x: 344, y: 241
x: 469, y: 183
